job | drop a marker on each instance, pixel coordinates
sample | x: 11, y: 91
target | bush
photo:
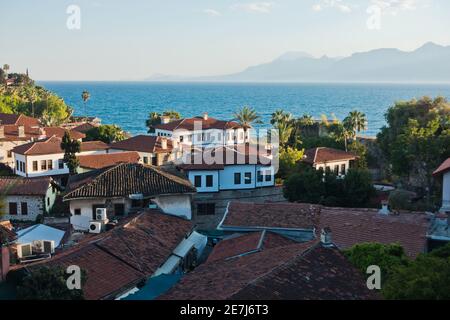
x: 400, y: 200
x: 305, y: 186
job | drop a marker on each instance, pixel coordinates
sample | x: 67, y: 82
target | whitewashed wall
x: 177, y: 205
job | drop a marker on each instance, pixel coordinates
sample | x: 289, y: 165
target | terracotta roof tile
x: 18, y: 119
x: 125, y: 179
x: 59, y: 132
x: 52, y: 145
x: 142, y: 143
x: 98, y: 161
x: 322, y: 154
x: 93, y: 146
x: 25, y: 186
x: 85, y: 127
x: 444, y: 167
x: 188, y: 124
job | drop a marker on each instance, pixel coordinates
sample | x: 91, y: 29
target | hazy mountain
x: 429, y: 63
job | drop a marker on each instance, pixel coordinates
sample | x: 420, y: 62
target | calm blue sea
x: 127, y: 104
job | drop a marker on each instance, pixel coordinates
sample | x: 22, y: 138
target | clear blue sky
x: 133, y: 39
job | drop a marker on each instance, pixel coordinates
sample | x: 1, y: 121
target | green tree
x: 46, y: 283
x: 288, y: 161
x: 154, y: 118
x: 31, y: 97
x: 305, y: 186
x: 355, y: 122
x: 71, y: 148
x: 359, y: 150
x: 283, y: 122
x: 246, y: 116
x: 85, y: 96
x: 106, y: 133
x: 358, y: 188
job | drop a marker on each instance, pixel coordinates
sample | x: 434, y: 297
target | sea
x: 128, y: 104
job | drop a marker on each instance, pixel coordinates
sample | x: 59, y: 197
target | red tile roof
x: 275, y: 215
x: 322, y: 155
x: 59, y: 132
x: 120, y: 258
x: 18, y: 119
x: 52, y: 145
x: 85, y: 127
x: 352, y: 226
x: 25, y: 186
x: 6, y: 232
x: 188, y: 124
x: 142, y: 143
x: 246, y: 243
x: 349, y: 226
x: 11, y: 133
x: 217, y: 158
x: 444, y: 167
x: 98, y: 161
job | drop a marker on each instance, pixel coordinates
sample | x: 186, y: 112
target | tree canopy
x: 106, y: 133
x: 71, y: 147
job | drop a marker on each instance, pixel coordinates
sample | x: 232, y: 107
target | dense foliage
x: 154, y: 118
x: 47, y: 283
x: 71, y: 147
x: 27, y: 98
x: 106, y: 133
x: 312, y: 186
x: 416, y: 139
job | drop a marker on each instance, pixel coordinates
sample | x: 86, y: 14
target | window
x: 154, y: 161
x: 119, y: 209
x: 181, y: 138
x: 43, y: 165
x: 190, y: 138
x: 17, y: 165
x: 260, y: 176
x: 48, y: 202
x: 146, y: 160
x: 60, y: 163
x: 50, y: 164
x: 219, y: 136
x: 199, y: 137
x: 35, y: 166
x: 343, y: 168
x: 9, y: 154
x: 336, y: 169
x: 22, y: 166
x: 248, y: 178
x: 77, y: 212
x: 12, y: 208
x: 204, y: 209
x: 24, y: 208
x: 237, y: 178
x: 209, y: 180
x: 268, y: 176
x: 198, y: 181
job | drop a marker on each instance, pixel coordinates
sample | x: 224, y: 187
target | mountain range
x: 429, y: 63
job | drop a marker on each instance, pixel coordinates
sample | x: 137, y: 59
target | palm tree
x: 306, y: 120
x: 284, y: 123
x: 246, y: 116
x: 356, y: 122
x: 31, y: 97
x: 85, y: 96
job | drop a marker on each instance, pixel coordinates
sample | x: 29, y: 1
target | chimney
x: 175, y: 143
x: 384, y: 208
x: 2, y: 132
x: 41, y: 132
x: 165, y: 119
x: 164, y: 143
x: 326, y: 237
x: 205, y: 116
x: 21, y: 130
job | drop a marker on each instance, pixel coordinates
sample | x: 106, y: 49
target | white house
x: 201, y: 131
x: 444, y: 172
x: 228, y: 168
x: 45, y: 157
x: 26, y: 198
x: 124, y: 189
x: 329, y: 159
x: 152, y: 149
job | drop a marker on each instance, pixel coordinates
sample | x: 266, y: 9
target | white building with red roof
x: 202, y: 131
x: 330, y: 160
x: 444, y: 172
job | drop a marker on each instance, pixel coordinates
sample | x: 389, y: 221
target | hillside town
x: 202, y: 208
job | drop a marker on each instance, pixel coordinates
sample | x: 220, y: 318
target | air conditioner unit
x: 24, y: 250
x: 100, y: 214
x: 48, y: 246
x: 95, y: 227
x: 37, y: 246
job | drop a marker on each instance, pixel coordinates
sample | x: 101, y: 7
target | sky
x: 135, y: 39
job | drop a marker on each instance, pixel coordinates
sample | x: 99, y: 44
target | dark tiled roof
x: 98, y: 161
x: 83, y: 128
x: 444, y: 167
x: 322, y: 154
x: 317, y: 274
x: 350, y: 226
x: 246, y: 243
x: 126, y: 179
x: 279, y: 215
x: 142, y: 143
x: 52, y: 145
x: 120, y: 258
x: 18, y: 119
x: 11, y: 133
x: 221, y: 279
x: 6, y: 231
x: 188, y: 124
x: 25, y: 186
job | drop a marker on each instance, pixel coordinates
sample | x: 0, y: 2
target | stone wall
x: 35, y: 207
x: 221, y: 199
